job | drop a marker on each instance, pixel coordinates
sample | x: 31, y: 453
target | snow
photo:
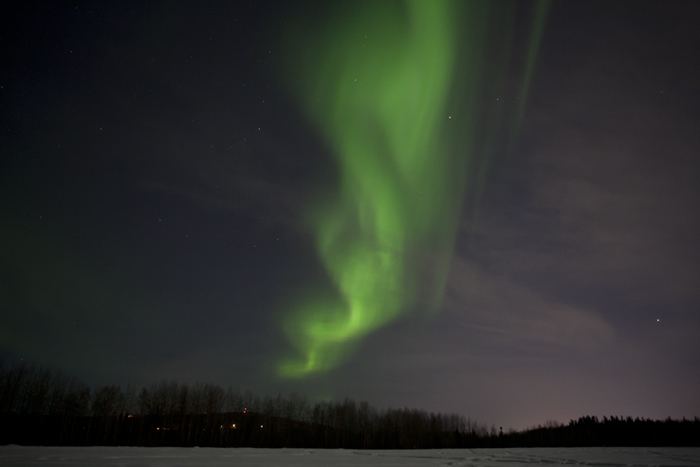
x: 11, y: 456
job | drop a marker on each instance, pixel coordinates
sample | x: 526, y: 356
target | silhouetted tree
x: 40, y: 407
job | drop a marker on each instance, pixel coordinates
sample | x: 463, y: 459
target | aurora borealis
x: 483, y: 207
x: 380, y: 88
x: 380, y: 82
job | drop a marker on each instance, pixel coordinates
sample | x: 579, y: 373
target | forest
x: 40, y: 407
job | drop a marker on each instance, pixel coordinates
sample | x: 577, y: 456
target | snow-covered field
x: 11, y: 456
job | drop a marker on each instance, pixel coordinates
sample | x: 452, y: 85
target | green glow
x: 394, y: 88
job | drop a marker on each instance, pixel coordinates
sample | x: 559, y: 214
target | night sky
x: 157, y: 168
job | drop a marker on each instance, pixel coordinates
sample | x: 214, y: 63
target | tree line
x: 40, y: 407
x: 610, y: 431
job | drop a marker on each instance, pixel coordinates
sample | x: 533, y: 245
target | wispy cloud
x: 515, y: 314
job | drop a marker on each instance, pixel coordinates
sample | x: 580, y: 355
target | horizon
x: 132, y: 390
x: 246, y: 401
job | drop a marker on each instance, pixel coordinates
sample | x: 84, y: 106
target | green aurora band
x: 396, y: 89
